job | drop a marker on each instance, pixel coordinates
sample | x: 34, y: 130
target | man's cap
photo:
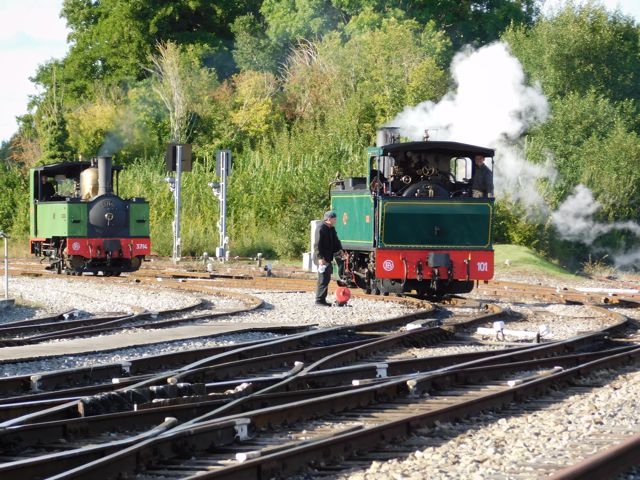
x: 330, y: 214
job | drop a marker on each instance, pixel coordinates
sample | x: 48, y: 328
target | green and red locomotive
x: 413, y: 223
x: 80, y: 225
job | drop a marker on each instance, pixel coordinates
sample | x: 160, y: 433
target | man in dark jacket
x: 47, y: 190
x: 482, y: 183
x: 327, y: 247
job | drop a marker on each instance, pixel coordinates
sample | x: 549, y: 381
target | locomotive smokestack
x: 104, y: 175
x: 387, y: 135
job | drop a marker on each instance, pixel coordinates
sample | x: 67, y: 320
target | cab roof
x: 67, y: 168
x: 453, y: 148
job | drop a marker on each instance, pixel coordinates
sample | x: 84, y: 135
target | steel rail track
x: 609, y: 463
x: 266, y: 390
x: 17, y: 333
x: 405, y: 398
x: 453, y: 373
x: 164, y: 389
x: 199, y: 405
x: 224, y: 363
x: 102, y: 325
x: 71, y: 381
x: 192, y: 358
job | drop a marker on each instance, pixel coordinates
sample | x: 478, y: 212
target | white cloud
x: 32, y: 32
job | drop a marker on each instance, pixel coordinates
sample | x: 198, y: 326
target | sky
x: 32, y: 32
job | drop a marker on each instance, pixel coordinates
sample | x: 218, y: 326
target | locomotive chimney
x: 387, y: 135
x: 104, y: 175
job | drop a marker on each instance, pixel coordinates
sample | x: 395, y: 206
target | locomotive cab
x: 415, y: 226
x: 420, y: 173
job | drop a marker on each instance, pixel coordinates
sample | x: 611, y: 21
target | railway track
x: 269, y: 441
x: 68, y: 325
x: 315, y: 409
x: 246, y: 276
x: 225, y: 384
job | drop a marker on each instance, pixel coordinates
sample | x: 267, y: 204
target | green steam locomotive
x: 413, y: 224
x: 78, y: 224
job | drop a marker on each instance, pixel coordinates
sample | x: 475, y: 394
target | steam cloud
x: 492, y: 106
x: 111, y: 145
x: 574, y: 221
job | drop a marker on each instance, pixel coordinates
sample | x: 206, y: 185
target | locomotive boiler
x: 412, y: 223
x: 79, y: 224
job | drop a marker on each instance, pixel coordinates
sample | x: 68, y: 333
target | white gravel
x: 36, y: 297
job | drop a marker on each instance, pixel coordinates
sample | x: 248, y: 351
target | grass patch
x: 516, y: 259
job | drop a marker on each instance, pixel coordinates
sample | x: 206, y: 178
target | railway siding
x: 459, y: 449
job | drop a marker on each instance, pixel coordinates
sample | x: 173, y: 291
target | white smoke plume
x: 491, y: 106
x: 574, y: 220
x: 491, y: 101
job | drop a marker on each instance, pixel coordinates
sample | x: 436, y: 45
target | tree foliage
x: 586, y: 60
x: 296, y: 90
x: 581, y: 49
x: 171, y: 89
x: 111, y: 40
x: 52, y: 130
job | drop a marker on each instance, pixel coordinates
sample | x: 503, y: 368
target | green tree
x: 255, y: 112
x: 111, y: 40
x: 171, y: 89
x: 253, y: 49
x: 474, y: 21
x: 376, y: 72
x: 93, y: 123
x: 592, y: 141
x: 12, y: 204
x: 52, y: 131
x: 187, y: 91
x: 5, y: 150
x: 293, y: 20
x: 581, y: 49
x: 586, y: 61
